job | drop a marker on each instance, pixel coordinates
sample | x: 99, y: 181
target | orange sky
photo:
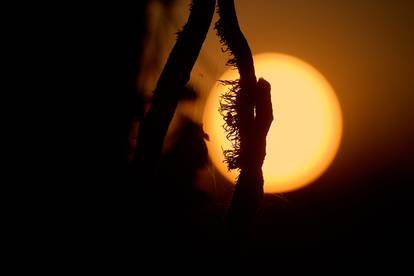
x: 363, y: 48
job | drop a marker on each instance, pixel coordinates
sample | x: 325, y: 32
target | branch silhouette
x: 247, y: 111
x: 170, y: 86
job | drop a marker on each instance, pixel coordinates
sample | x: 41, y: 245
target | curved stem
x: 171, y: 83
x: 247, y: 132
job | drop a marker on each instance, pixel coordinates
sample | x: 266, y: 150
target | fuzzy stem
x: 246, y: 132
x: 238, y: 104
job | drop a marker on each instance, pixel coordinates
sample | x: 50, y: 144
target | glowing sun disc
x: 307, y: 128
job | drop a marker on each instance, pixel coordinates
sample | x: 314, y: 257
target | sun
x: 307, y: 128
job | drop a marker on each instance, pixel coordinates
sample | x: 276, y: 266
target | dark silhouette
x: 246, y: 107
x: 163, y: 207
x: 170, y: 85
x: 247, y: 97
x: 246, y: 131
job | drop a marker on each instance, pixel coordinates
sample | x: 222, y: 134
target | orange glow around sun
x: 307, y: 128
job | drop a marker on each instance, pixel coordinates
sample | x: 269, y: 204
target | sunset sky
x: 360, y: 205
x: 145, y: 190
x: 363, y: 48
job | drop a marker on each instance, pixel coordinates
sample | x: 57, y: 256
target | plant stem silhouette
x: 171, y: 83
x: 247, y: 111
